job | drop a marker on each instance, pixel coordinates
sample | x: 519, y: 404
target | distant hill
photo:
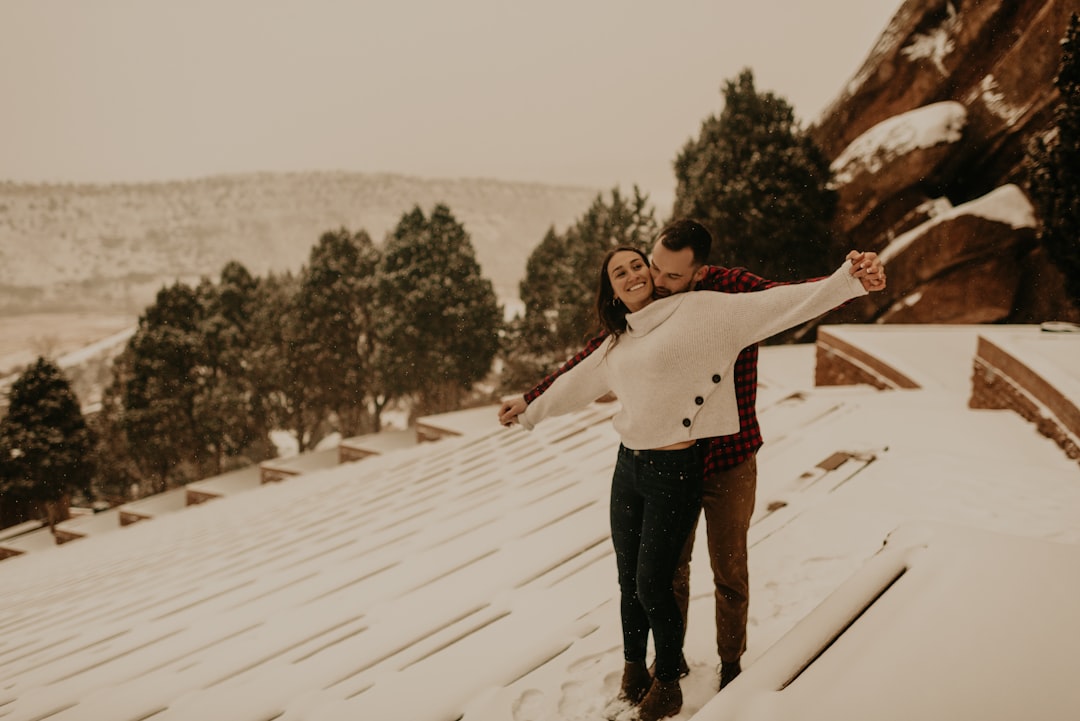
x: 110, y: 248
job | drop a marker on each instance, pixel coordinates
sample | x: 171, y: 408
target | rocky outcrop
x: 962, y: 264
x: 998, y: 58
x: 902, y: 152
x: 927, y: 138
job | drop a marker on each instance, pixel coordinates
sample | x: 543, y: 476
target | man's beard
x: 659, y: 292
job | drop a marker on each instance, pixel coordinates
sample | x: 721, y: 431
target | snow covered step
x: 910, y: 634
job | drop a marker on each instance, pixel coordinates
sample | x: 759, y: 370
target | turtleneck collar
x: 642, y: 322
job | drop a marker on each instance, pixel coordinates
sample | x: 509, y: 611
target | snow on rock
x: 990, y: 95
x: 936, y: 44
x: 1007, y: 204
x: 924, y: 127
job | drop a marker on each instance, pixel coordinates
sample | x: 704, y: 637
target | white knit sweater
x: 672, y: 370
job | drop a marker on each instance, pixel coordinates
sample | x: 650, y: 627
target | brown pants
x: 728, y: 502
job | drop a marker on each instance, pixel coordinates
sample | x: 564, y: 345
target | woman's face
x: 630, y: 279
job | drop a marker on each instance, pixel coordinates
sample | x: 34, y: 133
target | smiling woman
x: 629, y: 278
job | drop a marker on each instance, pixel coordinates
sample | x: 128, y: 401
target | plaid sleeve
x: 543, y: 385
x: 736, y: 280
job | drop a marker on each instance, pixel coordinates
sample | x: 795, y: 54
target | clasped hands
x: 867, y: 268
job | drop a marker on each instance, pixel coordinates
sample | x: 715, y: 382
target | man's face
x: 673, y: 271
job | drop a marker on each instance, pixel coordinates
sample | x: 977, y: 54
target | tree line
x: 214, y: 368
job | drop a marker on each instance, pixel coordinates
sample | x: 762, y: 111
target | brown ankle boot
x: 663, y: 699
x: 684, y: 667
x: 635, y: 682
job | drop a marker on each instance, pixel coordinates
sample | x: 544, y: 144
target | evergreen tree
x: 118, y: 478
x: 232, y: 419
x: 439, y: 319
x: 559, y: 289
x: 46, y: 448
x: 276, y: 361
x: 527, y: 342
x: 185, y: 401
x: 760, y: 184
x: 1053, y: 166
x: 157, y: 382
x: 332, y: 315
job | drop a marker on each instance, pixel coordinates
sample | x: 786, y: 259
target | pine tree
x: 526, y: 345
x: 232, y: 419
x: 439, y: 318
x: 157, y: 381
x: 46, y: 448
x: 760, y: 184
x: 276, y: 360
x: 332, y: 315
x: 187, y: 399
x: 1053, y: 166
x: 118, y: 478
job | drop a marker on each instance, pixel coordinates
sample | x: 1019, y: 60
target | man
x: 678, y: 264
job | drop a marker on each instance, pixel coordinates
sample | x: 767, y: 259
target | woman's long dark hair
x: 610, y: 312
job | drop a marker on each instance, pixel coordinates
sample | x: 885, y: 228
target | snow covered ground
x: 472, y: 578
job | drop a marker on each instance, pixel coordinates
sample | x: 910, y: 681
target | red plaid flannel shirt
x: 721, y: 452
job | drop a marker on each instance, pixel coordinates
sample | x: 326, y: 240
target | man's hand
x: 867, y: 268
x: 511, y: 409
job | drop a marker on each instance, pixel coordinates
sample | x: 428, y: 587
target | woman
x: 669, y: 362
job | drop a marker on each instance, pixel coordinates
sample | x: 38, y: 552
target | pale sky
x: 582, y: 92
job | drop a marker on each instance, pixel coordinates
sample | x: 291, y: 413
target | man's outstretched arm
x: 866, y: 266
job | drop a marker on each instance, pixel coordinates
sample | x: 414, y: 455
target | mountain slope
x: 111, y: 247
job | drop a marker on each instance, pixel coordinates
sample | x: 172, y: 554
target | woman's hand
x: 867, y: 268
x: 511, y: 409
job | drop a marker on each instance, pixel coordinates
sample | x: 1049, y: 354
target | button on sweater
x: 672, y: 368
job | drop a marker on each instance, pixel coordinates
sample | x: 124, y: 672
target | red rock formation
x: 901, y: 153
x: 983, y: 71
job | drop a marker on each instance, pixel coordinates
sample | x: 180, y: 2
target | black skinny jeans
x: 655, y: 499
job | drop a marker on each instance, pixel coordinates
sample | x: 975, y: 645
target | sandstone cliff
x: 927, y: 142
